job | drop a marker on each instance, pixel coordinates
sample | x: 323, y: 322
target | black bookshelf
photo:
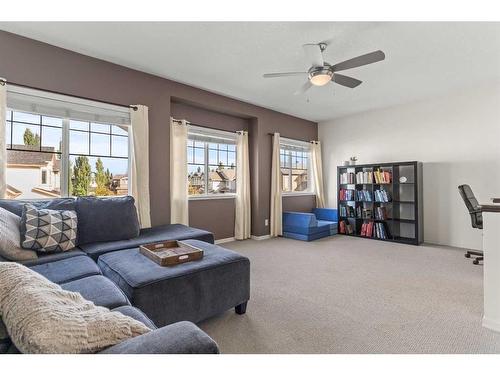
x: 404, y: 220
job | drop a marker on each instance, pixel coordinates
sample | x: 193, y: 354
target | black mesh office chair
x: 476, y: 217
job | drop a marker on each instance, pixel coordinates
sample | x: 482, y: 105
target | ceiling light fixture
x: 320, y: 76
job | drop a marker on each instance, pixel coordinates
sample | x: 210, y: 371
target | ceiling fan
x: 321, y: 72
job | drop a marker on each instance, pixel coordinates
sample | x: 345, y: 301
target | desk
x: 491, y: 267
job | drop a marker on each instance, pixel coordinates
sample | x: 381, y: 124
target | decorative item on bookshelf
x: 403, y: 179
x: 353, y: 160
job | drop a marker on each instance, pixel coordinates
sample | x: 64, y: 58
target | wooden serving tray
x: 170, y: 253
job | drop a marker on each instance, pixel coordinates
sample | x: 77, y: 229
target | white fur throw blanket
x: 43, y: 318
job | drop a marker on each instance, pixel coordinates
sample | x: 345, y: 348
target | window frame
x: 210, y: 134
x: 306, y: 146
x: 64, y: 153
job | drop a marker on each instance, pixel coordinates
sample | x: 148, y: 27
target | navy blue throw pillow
x: 106, y: 219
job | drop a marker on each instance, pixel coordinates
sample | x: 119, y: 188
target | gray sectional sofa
x: 112, y: 273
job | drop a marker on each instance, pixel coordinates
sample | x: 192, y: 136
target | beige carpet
x: 350, y: 295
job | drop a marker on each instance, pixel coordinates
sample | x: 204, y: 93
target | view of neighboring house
x: 196, y: 182
x: 37, y: 174
x: 119, y: 184
x: 221, y: 180
x: 298, y: 179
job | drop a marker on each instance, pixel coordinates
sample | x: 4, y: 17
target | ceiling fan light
x: 320, y: 79
x: 320, y: 76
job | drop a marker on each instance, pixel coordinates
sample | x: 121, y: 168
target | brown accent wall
x: 299, y: 203
x: 29, y: 62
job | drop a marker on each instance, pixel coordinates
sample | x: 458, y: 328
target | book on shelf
x: 382, y: 196
x: 367, y: 229
x: 382, y: 177
x: 347, y: 178
x: 363, y: 195
x: 345, y: 227
x: 375, y: 230
x: 380, y: 213
x: 347, y: 211
x: 381, y: 231
x: 346, y: 194
x: 364, y: 177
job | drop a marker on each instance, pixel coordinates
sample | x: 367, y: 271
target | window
x: 44, y: 177
x: 98, y: 159
x: 211, y: 162
x: 50, y: 157
x: 295, y: 166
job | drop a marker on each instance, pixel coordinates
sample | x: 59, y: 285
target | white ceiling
x: 422, y: 59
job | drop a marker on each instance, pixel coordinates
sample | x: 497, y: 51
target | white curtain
x: 317, y: 173
x: 276, y: 214
x: 139, y: 168
x: 242, y: 223
x: 179, y: 213
x: 3, y: 146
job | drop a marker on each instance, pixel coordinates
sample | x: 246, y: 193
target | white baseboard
x: 224, y: 240
x: 491, y: 324
x: 260, y: 238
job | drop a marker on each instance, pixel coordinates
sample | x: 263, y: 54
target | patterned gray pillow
x: 47, y: 230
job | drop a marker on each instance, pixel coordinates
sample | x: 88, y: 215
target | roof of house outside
x: 225, y: 174
x: 295, y: 172
x: 17, y: 156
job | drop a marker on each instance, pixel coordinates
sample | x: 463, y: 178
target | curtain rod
x: 208, y: 127
x: 3, y: 82
x: 294, y: 139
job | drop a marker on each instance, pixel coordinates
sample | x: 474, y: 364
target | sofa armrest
x: 299, y: 219
x: 177, y: 338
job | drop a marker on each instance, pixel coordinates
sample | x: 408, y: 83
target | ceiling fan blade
x: 289, y: 74
x: 346, y: 81
x: 369, y: 58
x: 314, y: 57
x: 306, y: 86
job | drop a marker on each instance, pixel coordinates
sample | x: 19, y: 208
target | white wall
x: 25, y: 179
x: 457, y: 138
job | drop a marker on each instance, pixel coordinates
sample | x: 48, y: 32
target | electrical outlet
x: 266, y: 222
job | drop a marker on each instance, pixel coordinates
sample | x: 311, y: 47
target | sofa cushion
x: 328, y: 214
x: 69, y: 269
x: 43, y: 318
x: 325, y: 223
x: 53, y: 257
x: 106, y: 219
x: 10, y: 238
x: 149, y: 235
x: 98, y: 289
x: 136, y: 314
x: 48, y: 231
x: 16, y: 206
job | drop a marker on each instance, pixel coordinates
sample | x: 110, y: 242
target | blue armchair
x: 322, y: 222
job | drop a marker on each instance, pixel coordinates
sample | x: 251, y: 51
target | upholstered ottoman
x: 191, y: 291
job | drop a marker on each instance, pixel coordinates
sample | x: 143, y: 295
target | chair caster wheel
x: 475, y: 261
x: 467, y: 255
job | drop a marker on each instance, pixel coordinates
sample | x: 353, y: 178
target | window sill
x: 297, y: 193
x: 210, y: 197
